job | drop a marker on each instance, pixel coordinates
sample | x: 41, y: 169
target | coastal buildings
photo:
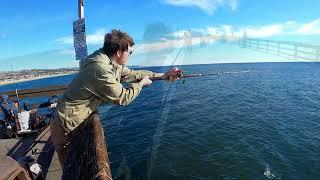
x: 25, y: 75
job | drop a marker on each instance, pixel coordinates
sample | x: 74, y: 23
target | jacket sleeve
x: 129, y: 75
x: 110, y: 90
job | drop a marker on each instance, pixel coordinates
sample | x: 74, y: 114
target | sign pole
x: 80, y: 9
x: 79, y: 34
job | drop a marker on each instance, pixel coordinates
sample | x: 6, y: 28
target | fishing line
x: 165, y: 106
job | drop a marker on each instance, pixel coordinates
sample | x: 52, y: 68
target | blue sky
x: 38, y: 34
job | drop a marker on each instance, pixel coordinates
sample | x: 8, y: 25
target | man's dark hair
x: 116, y: 40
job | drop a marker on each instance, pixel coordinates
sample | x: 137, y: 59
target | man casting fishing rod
x: 99, y: 81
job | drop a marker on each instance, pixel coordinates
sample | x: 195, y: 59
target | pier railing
x: 36, y: 92
x: 88, y: 157
x: 290, y: 50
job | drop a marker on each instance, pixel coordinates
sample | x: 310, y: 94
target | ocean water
x: 262, y: 122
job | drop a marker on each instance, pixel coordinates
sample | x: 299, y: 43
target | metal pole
x: 80, y: 9
x: 80, y: 14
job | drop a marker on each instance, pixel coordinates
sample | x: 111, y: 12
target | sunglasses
x: 130, y: 52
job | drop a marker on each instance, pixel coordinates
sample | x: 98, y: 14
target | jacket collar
x: 114, y: 62
x: 101, y: 56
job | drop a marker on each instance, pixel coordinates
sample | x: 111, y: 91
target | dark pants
x: 60, y: 140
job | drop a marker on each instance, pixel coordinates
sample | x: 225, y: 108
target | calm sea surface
x: 262, y: 122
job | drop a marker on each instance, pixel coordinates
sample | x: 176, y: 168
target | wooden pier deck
x: 87, y: 156
x: 92, y: 155
x: 21, y: 146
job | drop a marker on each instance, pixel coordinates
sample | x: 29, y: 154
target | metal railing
x: 290, y: 50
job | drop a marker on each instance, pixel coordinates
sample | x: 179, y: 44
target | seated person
x: 8, y: 110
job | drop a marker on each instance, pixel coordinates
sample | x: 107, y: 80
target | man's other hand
x: 145, y: 81
x: 173, y: 74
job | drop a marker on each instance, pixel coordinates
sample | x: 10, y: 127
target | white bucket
x: 24, y: 120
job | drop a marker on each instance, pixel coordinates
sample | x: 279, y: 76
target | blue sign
x: 79, y: 39
x: 81, y: 52
x: 79, y: 26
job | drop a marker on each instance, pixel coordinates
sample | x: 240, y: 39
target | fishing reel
x: 174, y: 74
x: 179, y: 74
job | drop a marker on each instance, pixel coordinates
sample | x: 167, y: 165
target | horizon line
x: 170, y: 65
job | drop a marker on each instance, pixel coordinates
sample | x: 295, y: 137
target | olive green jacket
x: 98, y: 81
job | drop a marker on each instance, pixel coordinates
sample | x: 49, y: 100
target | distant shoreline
x: 35, y: 78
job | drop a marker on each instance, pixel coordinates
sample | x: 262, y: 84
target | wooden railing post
x: 87, y: 156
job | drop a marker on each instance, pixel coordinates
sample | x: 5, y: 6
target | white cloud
x: 255, y: 31
x: 96, y: 38
x: 212, y: 30
x: 286, y: 28
x: 236, y: 32
x: 64, y: 40
x: 229, y: 33
x: 157, y: 46
x: 210, y: 34
x: 311, y: 28
x: 290, y: 22
x: 181, y: 34
x: 264, y: 31
x: 209, y: 6
x: 68, y: 51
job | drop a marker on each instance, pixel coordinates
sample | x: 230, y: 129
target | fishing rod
x: 59, y: 89
x: 181, y: 75
x: 213, y: 74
